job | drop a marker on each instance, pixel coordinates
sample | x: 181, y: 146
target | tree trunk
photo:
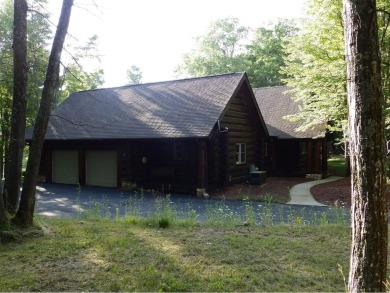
x: 368, y: 262
x: 19, y: 104
x: 25, y: 214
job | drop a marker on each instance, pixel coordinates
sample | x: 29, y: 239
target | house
x: 290, y: 152
x: 188, y: 135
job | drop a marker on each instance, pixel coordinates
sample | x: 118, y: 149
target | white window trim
x: 240, y: 153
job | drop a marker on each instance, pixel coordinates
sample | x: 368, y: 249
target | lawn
x: 336, y: 165
x: 133, y: 255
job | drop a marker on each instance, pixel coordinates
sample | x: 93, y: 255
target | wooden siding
x: 161, y: 172
x: 297, y: 157
x: 243, y: 127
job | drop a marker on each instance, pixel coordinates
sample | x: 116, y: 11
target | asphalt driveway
x: 60, y: 200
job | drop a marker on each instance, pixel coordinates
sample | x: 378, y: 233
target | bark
x: 4, y: 216
x: 25, y: 214
x: 19, y: 104
x: 368, y: 261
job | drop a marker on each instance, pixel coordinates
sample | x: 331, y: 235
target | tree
x: 266, y: 53
x: 221, y: 50
x: 74, y: 75
x: 315, y: 66
x: 134, y: 75
x: 25, y: 213
x: 38, y: 34
x: 368, y: 265
x: 19, y: 105
x: 6, y: 79
x: 226, y: 48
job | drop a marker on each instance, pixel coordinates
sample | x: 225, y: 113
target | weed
x: 78, y: 203
x: 250, y: 214
x: 97, y: 210
x: 134, y: 204
x: 268, y: 198
x: 340, y: 268
x: 221, y: 214
x: 266, y: 214
x: 163, y: 222
x: 132, y: 187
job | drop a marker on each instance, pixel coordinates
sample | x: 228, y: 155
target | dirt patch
x: 336, y: 193
x: 276, y: 189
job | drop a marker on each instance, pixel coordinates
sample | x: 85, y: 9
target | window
x: 180, y: 153
x: 240, y: 153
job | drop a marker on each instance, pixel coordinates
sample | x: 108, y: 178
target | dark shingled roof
x: 171, y: 109
x: 275, y: 103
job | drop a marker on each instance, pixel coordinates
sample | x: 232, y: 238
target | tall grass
x: 163, y: 212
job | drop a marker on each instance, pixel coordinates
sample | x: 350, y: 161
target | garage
x: 101, y: 168
x: 65, y: 166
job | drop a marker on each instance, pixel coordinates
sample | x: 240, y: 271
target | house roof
x: 171, y: 109
x: 275, y: 104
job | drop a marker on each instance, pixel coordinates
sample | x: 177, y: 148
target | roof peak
x: 167, y: 81
x: 272, y: 86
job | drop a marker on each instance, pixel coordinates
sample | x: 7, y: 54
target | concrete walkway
x: 300, y: 194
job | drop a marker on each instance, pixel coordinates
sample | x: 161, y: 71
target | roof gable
x: 180, y: 108
x: 276, y: 103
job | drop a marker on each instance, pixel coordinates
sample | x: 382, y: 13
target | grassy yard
x: 133, y: 255
x: 336, y: 165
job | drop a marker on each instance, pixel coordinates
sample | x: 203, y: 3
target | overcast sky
x: 154, y: 34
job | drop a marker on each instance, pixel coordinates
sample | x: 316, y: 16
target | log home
x: 188, y: 135
x: 290, y: 152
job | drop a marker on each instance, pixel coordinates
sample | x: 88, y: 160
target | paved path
x: 300, y: 194
x: 57, y: 200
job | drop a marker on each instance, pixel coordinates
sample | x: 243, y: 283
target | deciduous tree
x: 134, y: 75
x: 227, y: 48
x: 315, y: 66
x: 19, y: 106
x: 221, y: 50
x: 368, y: 264
x: 25, y: 213
x: 75, y: 77
x: 266, y: 53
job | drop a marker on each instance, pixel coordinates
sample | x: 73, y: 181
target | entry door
x: 65, y: 166
x: 101, y: 168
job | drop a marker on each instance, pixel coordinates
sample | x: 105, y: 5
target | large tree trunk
x: 25, y: 214
x: 19, y: 104
x: 368, y: 263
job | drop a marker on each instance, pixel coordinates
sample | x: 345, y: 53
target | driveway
x: 58, y: 200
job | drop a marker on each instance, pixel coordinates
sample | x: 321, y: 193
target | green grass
x: 136, y: 255
x: 336, y: 165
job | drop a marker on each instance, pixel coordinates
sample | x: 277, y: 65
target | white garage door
x: 101, y: 168
x: 65, y: 166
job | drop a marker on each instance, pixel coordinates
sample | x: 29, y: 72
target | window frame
x: 240, y: 153
x: 180, y: 153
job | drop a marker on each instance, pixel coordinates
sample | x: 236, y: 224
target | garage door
x: 101, y: 168
x: 65, y: 166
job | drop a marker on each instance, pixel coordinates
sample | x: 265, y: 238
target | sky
x: 154, y: 34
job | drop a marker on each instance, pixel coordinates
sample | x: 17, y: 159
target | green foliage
x: 316, y: 67
x: 226, y: 48
x: 75, y: 77
x: 221, y: 50
x: 266, y: 53
x: 163, y: 222
x: 336, y: 165
x: 134, y: 75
